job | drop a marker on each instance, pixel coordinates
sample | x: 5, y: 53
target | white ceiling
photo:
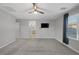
x: 20, y: 10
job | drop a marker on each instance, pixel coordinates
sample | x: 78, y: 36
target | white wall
x: 7, y: 29
x: 40, y: 32
x: 59, y: 28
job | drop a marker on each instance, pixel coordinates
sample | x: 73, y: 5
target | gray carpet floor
x: 36, y: 47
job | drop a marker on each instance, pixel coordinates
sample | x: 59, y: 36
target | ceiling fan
x: 36, y: 9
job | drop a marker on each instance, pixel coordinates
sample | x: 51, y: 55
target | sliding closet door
x: 65, y: 22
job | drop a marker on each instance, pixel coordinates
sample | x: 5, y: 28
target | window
x: 72, y: 28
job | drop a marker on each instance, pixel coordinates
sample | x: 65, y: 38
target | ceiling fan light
x: 35, y: 12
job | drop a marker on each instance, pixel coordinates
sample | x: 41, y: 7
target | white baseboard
x: 7, y: 43
x: 69, y: 47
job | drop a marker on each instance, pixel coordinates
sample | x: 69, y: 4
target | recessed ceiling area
x: 51, y: 10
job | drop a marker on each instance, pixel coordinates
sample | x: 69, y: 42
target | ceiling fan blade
x: 40, y: 12
x: 39, y: 8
